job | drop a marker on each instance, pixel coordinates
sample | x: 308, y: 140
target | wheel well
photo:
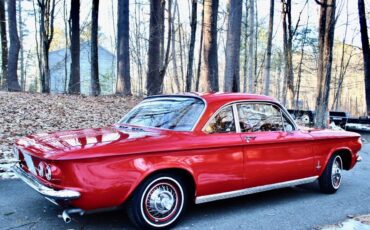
x: 346, y: 158
x: 184, y: 174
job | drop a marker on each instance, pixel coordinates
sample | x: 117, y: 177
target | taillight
x: 48, y: 172
x: 41, y: 168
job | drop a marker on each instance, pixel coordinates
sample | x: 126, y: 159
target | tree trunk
x: 343, y: 67
x: 66, y: 46
x: 288, y: 58
x: 197, y: 82
x: 245, y: 67
x: 250, y: 64
x: 181, y: 46
x: 174, y: 56
x: 157, y: 68
x: 95, y: 84
x: 365, y: 51
x: 14, y: 46
x: 267, y: 69
x: 123, y: 86
x: 193, y: 26
x: 4, y: 46
x: 154, y: 53
x: 21, y: 51
x: 326, y: 40
x: 74, y: 24
x: 232, y: 57
x: 209, y: 77
x: 46, y: 36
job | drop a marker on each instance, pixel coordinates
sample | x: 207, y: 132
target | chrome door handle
x: 249, y: 138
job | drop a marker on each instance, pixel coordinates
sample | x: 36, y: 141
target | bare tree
x: 288, y: 57
x: 174, y: 53
x: 289, y: 32
x: 123, y: 49
x: 95, y: 84
x: 66, y: 46
x: 209, y: 77
x: 21, y: 50
x: 326, y: 40
x: 46, y: 36
x: 268, y: 51
x: 232, y: 66
x: 74, y: 25
x: 342, y: 67
x: 365, y: 51
x: 246, y: 50
x: 193, y: 26
x: 154, y: 54
x: 14, y: 46
x: 300, y: 64
x: 197, y: 81
x: 4, y: 46
x: 251, y: 44
x: 157, y: 68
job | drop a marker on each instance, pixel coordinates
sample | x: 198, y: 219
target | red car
x: 172, y: 150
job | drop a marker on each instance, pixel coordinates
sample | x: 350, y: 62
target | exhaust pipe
x: 66, y: 214
x: 67, y: 219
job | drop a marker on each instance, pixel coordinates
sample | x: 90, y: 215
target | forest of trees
x: 160, y: 52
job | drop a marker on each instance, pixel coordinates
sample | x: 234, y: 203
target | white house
x: 107, y: 70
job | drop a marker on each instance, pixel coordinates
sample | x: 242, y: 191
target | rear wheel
x: 158, y: 203
x: 331, y: 178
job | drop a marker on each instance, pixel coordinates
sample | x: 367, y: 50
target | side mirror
x: 288, y: 128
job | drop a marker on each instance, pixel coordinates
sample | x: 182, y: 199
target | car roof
x: 211, y: 97
x: 216, y: 100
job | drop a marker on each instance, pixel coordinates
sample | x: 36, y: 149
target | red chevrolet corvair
x: 171, y: 150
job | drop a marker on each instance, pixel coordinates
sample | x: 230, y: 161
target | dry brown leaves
x: 26, y: 113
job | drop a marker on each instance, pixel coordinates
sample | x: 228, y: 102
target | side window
x: 223, y: 122
x: 254, y: 117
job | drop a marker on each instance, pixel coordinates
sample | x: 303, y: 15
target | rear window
x: 175, y: 113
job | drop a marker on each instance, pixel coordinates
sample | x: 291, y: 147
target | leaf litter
x: 23, y: 114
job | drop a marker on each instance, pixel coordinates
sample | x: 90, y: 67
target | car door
x: 274, y: 149
x: 222, y: 168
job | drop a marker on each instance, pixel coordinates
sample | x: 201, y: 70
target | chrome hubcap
x: 161, y: 201
x: 336, y: 172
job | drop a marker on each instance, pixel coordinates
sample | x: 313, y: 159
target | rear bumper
x: 32, y: 181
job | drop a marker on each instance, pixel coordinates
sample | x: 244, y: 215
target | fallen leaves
x: 22, y: 114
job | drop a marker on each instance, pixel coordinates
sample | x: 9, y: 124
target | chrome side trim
x: 247, y: 191
x: 42, y: 189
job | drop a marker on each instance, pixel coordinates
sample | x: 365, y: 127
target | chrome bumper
x: 42, y: 189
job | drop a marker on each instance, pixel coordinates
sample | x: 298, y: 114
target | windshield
x: 176, y: 113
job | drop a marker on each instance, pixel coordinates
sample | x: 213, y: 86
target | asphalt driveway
x: 302, y: 207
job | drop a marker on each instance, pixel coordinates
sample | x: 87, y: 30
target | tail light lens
x: 48, y: 172
x: 41, y: 168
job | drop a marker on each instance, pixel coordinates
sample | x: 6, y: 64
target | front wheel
x: 331, y: 178
x: 158, y: 202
